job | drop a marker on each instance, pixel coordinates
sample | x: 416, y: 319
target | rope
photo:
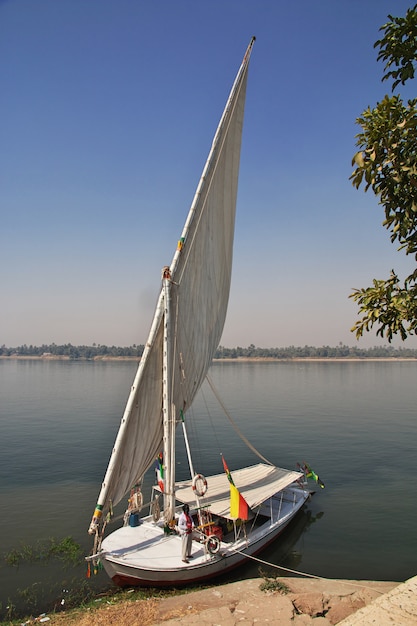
x: 235, y: 426
x: 293, y: 571
x: 117, y: 518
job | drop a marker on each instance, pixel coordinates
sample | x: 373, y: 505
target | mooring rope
x: 293, y: 571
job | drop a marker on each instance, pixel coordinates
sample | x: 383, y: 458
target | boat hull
x: 154, y: 560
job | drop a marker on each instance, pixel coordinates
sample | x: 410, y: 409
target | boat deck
x: 146, y: 545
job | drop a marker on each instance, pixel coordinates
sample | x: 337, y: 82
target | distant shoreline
x: 242, y: 359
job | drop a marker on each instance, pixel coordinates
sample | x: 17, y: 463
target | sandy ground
x: 243, y: 603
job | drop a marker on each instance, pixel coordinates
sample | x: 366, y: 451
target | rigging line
x: 294, y: 571
x: 234, y: 425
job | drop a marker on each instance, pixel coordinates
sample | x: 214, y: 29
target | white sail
x: 201, y: 272
x: 200, y: 276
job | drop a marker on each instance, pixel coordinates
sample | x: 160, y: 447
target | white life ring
x: 202, y: 485
x: 213, y: 544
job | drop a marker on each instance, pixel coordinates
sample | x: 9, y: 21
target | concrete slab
x: 398, y: 607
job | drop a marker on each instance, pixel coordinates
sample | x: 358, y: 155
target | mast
x: 197, y: 271
x: 168, y: 407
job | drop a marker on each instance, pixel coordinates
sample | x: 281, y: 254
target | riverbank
x: 240, y: 359
x: 279, y: 602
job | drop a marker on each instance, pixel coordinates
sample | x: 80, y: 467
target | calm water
x: 355, y: 423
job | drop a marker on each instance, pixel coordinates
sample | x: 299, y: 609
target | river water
x: 353, y: 422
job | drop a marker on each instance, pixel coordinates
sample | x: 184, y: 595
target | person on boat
x: 185, y: 525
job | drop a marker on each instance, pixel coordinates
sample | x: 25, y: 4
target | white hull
x: 145, y: 556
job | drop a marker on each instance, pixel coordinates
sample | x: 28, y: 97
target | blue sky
x: 108, y: 109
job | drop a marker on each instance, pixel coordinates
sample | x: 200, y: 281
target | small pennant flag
x: 311, y: 474
x: 228, y: 474
x: 160, y: 472
x: 239, y: 508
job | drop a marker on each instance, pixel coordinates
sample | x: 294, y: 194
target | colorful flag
x: 239, y: 508
x: 228, y: 474
x: 311, y: 474
x: 160, y: 472
x: 238, y: 505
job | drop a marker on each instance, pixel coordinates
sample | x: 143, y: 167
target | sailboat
x: 234, y: 514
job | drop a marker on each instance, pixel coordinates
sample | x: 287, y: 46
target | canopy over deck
x: 256, y: 483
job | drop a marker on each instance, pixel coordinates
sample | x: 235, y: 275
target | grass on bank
x: 79, y: 603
